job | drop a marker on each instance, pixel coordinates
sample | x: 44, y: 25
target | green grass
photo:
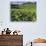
x: 23, y: 12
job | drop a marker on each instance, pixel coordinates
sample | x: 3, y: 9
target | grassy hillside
x: 23, y: 12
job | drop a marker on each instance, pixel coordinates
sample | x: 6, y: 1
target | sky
x: 31, y: 30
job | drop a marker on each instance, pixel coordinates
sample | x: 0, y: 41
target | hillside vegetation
x: 23, y: 12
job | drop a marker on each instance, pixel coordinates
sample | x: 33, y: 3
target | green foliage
x: 23, y: 12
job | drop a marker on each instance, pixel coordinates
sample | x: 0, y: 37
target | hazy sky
x: 30, y: 30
